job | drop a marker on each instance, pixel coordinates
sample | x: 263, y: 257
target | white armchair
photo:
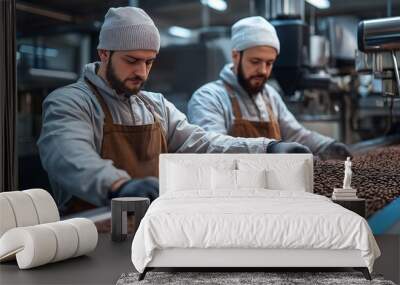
x: 31, y: 231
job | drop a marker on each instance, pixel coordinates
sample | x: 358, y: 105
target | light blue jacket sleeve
x: 210, y: 108
x: 293, y: 131
x: 186, y: 137
x: 68, y: 150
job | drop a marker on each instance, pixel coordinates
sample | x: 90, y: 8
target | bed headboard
x: 296, y: 168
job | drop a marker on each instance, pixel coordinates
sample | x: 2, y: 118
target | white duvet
x: 250, y: 219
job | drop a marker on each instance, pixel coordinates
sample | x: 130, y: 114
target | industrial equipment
x: 379, y: 52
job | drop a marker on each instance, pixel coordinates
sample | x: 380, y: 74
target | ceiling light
x: 180, y: 32
x: 219, y: 5
x: 320, y: 4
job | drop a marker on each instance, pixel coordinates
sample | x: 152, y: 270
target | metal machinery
x: 379, y: 55
x: 377, y: 59
x: 316, y: 74
x: 379, y: 52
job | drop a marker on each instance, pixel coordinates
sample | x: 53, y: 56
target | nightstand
x: 357, y: 205
x: 120, y: 207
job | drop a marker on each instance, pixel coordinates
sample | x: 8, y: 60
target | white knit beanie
x: 254, y: 31
x: 128, y: 28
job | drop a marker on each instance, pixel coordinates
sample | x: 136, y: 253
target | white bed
x: 247, y: 210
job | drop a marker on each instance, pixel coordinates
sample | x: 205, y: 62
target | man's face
x: 127, y: 71
x: 253, y: 67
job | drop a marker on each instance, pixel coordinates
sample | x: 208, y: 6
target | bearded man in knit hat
x: 242, y: 104
x: 102, y: 136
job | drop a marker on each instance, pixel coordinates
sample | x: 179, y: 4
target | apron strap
x: 235, y: 103
x: 155, y: 116
x: 106, y: 110
x: 149, y: 107
x: 271, y: 113
x: 103, y: 104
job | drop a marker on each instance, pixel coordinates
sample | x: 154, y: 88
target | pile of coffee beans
x: 376, y: 176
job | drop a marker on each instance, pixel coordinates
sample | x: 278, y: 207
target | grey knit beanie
x: 254, y: 31
x: 128, y: 28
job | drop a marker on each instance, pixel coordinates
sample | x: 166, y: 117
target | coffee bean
x: 376, y: 176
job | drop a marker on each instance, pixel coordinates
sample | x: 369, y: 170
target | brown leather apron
x: 252, y: 129
x: 135, y: 149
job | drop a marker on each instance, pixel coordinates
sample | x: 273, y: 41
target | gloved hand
x: 335, y: 150
x: 145, y: 187
x: 284, y: 147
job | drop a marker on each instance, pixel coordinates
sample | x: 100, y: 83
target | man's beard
x: 245, y: 82
x: 120, y: 86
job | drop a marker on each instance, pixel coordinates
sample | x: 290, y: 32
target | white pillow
x: 223, y: 180
x: 188, y: 177
x: 278, y: 179
x: 251, y: 178
x: 285, y: 174
x: 227, y: 180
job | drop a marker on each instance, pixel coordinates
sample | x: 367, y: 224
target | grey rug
x: 273, y: 278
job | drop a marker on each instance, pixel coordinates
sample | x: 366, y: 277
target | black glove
x: 145, y: 187
x: 284, y: 147
x: 335, y: 150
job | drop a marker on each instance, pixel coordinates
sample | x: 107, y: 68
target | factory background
x: 315, y: 73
